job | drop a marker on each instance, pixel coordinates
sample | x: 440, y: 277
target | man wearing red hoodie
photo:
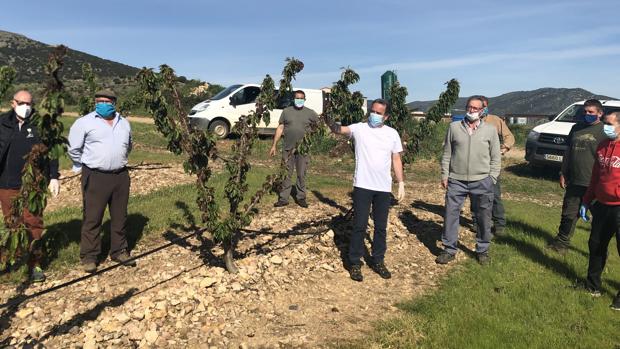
x: 603, y: 188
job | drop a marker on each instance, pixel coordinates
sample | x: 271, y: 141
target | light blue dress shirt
x: 98, y: 145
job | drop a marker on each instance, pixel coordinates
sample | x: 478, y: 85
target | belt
x: 117, y: 171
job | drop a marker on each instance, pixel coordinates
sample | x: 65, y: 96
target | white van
x: 222, y: 111
x: 546, y: 143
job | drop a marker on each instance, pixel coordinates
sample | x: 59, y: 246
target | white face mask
x: 472, y: 116
x: 23, y: 111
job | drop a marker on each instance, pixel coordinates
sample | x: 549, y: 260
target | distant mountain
x: 541, y: 101
x: 28, y: 57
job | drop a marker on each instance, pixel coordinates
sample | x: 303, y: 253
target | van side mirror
x: 551, y: 117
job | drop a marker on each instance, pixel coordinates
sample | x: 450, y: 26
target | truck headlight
x: 533, y: 135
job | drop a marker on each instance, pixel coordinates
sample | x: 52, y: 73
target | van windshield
x: 225, y: 92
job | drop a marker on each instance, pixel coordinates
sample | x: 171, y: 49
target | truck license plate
x: 553, y: 157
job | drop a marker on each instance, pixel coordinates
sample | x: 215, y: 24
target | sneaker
x: 381, y: 269
x: 355, y: 271
x: 124, y: 259
x: 302, y: 203
x: 37, y: 274
x: 615, y: 305
x: 280, y: 204
x: 444, y: 258
x: 483, y: 258
x: 89, y: 267
x: 558, y: 247
x: 593, y: 292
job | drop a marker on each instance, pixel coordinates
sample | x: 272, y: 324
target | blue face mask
x: 375, y: 120
x: 590, y: 118
x: 299, y: 102
x: 484, y: 112
x: 105, y: 110
x: 610, y: 131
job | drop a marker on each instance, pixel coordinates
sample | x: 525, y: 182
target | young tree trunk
x: 229, y: 249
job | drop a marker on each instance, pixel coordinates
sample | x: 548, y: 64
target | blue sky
x: 491, y: 47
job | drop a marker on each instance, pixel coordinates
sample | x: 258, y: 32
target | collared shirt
x: 98, y: 145
x: 471, y: 126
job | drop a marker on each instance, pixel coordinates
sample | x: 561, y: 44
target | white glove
x: 77, y: 169
x: 54, y: 187
x: 401, y: 191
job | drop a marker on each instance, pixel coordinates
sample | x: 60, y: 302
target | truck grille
x: 551, y: 138
x: 551, y: 151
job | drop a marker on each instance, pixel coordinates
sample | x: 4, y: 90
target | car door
x: 243, y: 102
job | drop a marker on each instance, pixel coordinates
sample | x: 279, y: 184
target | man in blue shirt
x: 99, y: 144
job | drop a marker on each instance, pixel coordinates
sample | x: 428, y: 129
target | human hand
x: 562, y: 182
x: 272, y: 151
x: 401, y: 191
x: 583, y: 213
x: 54, y: 187
x: 444, y: 183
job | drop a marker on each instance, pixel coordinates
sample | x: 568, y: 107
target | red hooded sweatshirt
x: 605, y: 181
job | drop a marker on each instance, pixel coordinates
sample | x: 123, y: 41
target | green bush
x: 431, y: 146
x: 520, y: 132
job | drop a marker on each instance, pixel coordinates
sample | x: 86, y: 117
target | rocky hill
x: 541, y: 101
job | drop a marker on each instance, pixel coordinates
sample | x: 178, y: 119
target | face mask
x: 610, y: 131
x: 23, y: 111
x: 299, y: 102
x: 471, y: 117
x: 484, y: 112
x: 105, y: 110
x: 375, y: 120
x: 590, y: 118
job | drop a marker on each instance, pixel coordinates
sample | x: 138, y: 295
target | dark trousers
x: 362, y: 201
x: 482, y: 192
x: 570, y: 211
x: 498, y: 213
x: 101, y: 190
x: 297, y: 162
x: 605, y: 225
x: 33, y: 223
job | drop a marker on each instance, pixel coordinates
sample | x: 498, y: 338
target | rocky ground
x: 292, y: 289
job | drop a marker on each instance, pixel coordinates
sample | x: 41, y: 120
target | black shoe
x: 615, y: 305
x: 444, y: 258
x: 302, y: 203
x: 89, y: 267
x: 558, y: 247
x: 280, y: 204
x: 593, y: 291
x: 355, y: 271
x: 499, y: 231
x: 381, y: 269
x: 483, y: 258
x: 124, y: 259
x: 37, y: 275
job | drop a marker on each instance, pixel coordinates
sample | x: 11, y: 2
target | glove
x: 54, y: 187
x: 401, y: 191
x: 583, y: 213
x: 76, y: 168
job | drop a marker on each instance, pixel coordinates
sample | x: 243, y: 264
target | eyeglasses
x: 103, y: 101
x: 22, y: 102
x: 471, y: 107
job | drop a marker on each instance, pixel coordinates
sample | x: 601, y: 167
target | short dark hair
x: 484, y: 99
x: 299, y: 91
x: 594, y: 103
x: 474, y: 98
x: 383, y: 102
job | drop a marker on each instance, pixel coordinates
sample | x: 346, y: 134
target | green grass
x: 526, y: 298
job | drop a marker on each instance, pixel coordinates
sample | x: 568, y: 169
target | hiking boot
x: 444, y: 258
x: 558, y: 246
x: 89, y: 267
x: 355, y: 271
x: 124, y: 259
x: 37, y: 275
x: 483, y: 258
x: 381, y: 269
x: 615, y: 305
x: 280, y: 204
x: 302, y: 203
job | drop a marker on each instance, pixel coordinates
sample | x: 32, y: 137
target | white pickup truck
x: 220, y: 112
x: 546, y: 143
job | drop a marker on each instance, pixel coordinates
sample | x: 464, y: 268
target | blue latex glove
x: 583, y: 213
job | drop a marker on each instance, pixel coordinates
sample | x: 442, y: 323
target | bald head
x: 22, y: 103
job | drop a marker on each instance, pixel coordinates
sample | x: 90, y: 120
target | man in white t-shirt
x: 377, y: 148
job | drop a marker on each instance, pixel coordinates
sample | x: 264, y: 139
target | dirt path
x: 292, y: 290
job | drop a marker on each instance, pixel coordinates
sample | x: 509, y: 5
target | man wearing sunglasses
x: 17, y: 137
x: 377, y: 148
x: 470, y: 166
x: 99, y: 144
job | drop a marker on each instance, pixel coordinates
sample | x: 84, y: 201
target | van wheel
x: 220, y: 128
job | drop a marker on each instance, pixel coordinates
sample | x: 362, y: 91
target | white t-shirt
x: 373, y: 155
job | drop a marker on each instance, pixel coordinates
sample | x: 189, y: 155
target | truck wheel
x: 220, y: 128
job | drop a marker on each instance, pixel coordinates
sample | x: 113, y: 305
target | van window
x: 573, y: 113
x: 225, y: 92
x: 246, y: 95
x: 285, y: 100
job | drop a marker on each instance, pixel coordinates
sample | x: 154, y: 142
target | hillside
x: 28, y: 57
x: 541, y: 101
